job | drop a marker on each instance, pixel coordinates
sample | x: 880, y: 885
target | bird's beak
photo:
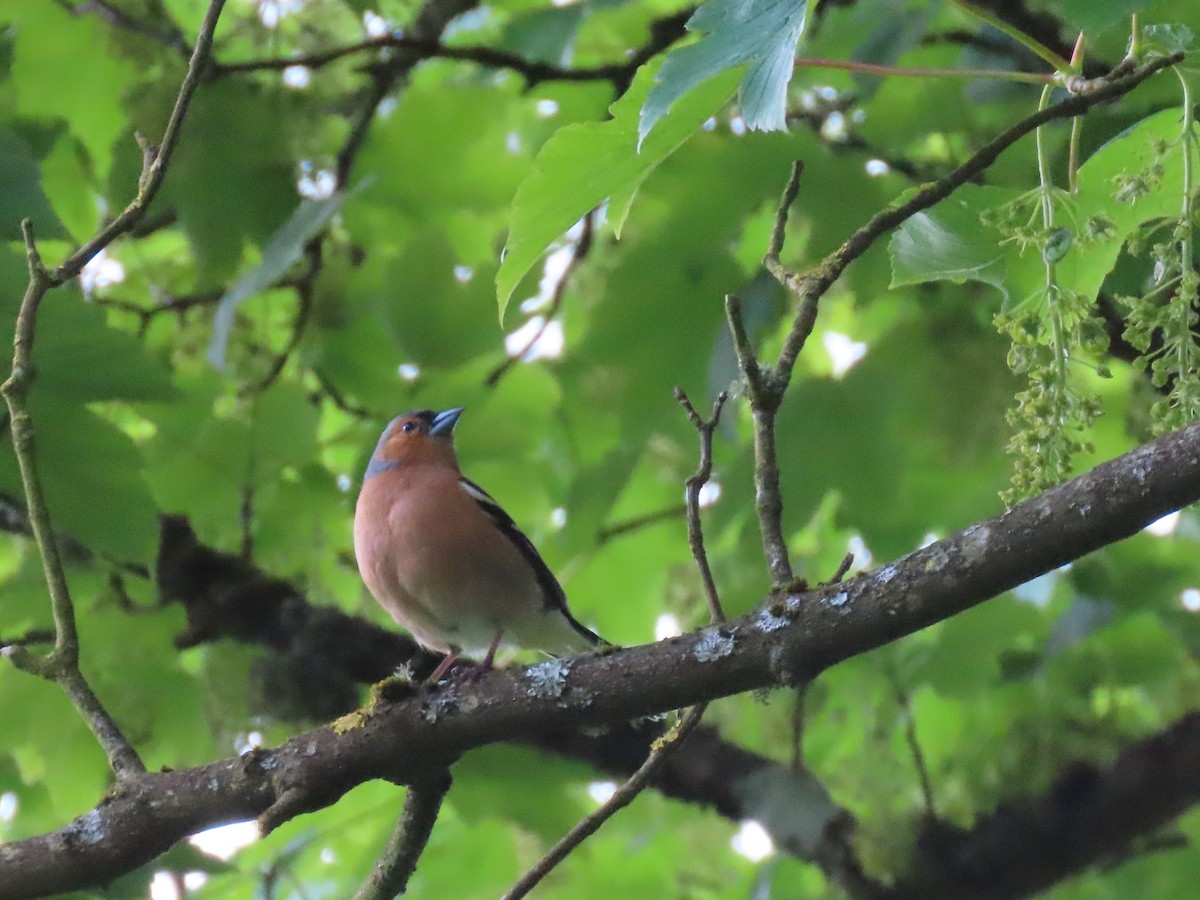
x: 444, y: 422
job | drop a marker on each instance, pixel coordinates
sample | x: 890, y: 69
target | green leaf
x: 948, y: 243
x: 21, y: 195
x: 1168, y: 38
x: 523, y: 785
x: 1134, y: 178
x: 584, y: 164
x: 283, y: 249
x: 233, y: 153
x: 77, y: 356
x: 283, y: 429
x: 87, y: 93
x: 545, y: 35
x: 435, y: 316
x: 1092, y: 17
x: 91, y: 474
x: 760, y: 34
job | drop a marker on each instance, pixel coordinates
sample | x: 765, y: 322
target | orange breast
x: 435, y: 561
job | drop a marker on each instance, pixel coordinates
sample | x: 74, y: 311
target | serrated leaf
x: 759, y: 34
x: 950, y: 242
x: 283, y: 249
x: 584, y: 164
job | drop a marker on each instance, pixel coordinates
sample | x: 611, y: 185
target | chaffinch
x: 442, y: 557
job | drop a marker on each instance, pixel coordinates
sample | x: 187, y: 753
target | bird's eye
x: 408, y: 426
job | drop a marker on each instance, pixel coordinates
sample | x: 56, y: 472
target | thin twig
x: 62, y: 663
x: 328, y: 389
x: 842, y: 569
x: 790, y: 192
x: 304, y: 299
x: 166, y: 304
x: 662, y: 747
x: 431, y: 20
x: 623, y: 796
x: 663, y: 33
x: 159, y: 157
x: 705, y: 428
x: 169, y: 36
x: 914, y: 746
x: 798, y: 704
x: 533, y: 71
x: 32, y: 636
x: 381, y: 86
x: 846, y: 65
x: 581, y: 249
x: 636, y: 523
x: 764, y: 403
x: 404, y: 848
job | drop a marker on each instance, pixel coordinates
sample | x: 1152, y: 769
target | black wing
x: 552, y: 593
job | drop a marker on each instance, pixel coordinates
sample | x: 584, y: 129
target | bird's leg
x: 446, y: 663
x: 491, y: 654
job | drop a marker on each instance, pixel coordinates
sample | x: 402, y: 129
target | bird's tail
x: 584, y: 632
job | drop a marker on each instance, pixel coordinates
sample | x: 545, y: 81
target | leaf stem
x: 849, y: 65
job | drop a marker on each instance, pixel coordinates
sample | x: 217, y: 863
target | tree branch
x: 663, y: 33
x: 430, y: 22
x: 399, y: 860
x: 766, y: 385
x: 668, y: 743
x: 622, y: 797
x: 791, y: 639
x: 705, y: 428
x: 812, y: 285
x: 636, y: 523
x: 62, y: 663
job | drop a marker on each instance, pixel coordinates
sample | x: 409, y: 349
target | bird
x: 444, y: 559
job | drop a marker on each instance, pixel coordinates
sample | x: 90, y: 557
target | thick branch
x: 1088, y: 816
x: 790, y: 640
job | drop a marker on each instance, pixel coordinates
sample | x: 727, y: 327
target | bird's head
x: 416, y: 438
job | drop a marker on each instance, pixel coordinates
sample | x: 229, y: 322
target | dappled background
x: 326, y: 252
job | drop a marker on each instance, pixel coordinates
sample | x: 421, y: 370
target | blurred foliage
x: 398, y: 310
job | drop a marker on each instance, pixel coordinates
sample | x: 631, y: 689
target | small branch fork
x: 695, y: 484
x: 766, y: 384
x: 62, y: 663
x: 662, y: 747
x: 399, y: 859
